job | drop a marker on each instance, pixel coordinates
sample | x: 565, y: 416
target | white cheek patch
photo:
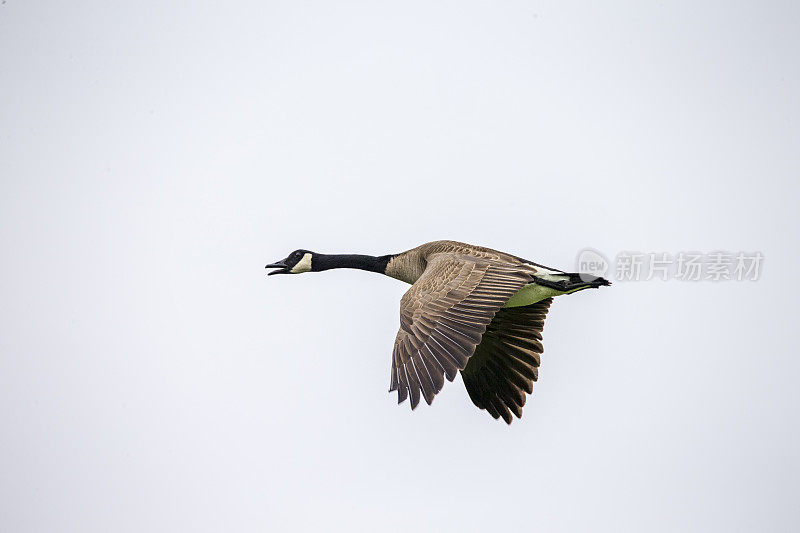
x: 304, y: 265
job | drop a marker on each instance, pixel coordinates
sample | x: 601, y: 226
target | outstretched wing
x: 442, y: 319
x: 506, y: 362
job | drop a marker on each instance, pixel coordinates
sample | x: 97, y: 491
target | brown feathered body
x: 474, y: 310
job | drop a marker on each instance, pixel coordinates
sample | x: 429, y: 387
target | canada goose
x: 469, y: 308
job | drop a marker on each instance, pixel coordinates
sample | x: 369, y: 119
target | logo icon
x: 591, y: 263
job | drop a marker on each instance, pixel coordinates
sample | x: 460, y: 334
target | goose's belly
x: 530, y: 294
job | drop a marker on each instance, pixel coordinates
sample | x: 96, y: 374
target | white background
x: 154, y: 156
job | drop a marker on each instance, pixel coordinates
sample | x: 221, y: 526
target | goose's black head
x: 297, y: 262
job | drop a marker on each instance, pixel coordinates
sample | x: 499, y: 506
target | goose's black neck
x: 370, y: 263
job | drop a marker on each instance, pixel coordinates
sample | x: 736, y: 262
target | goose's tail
x: 578, y: 282
x: 574, y: 282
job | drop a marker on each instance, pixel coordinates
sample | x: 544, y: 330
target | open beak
x: 280, y: 265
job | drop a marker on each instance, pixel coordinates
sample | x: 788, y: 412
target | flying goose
x: 469, y: 309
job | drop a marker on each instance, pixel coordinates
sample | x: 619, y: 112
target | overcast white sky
x: 155, y: 155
